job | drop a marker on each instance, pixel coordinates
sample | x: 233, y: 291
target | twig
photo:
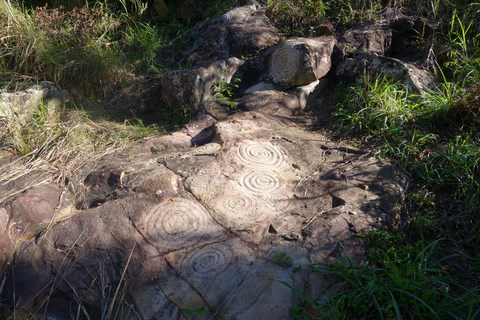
x: 117, y: 290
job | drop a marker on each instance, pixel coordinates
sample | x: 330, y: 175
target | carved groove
x: 208, y: 261
x: 260, y: 154
x: 285, y: 63
x: 175, y: 222
x: 260, y: 182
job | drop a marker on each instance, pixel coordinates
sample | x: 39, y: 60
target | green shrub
x: 296, y: 16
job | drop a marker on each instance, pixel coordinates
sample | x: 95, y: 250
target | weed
x: 62, y: 142
x: 283, y: 260
x: 134, y: 8
x: 435, y: 137
x: 193, y: 313
x: 144, y: 42
x: 89, y: 50
x: 464, y: 52
x: 346, y: 13
x: 378, y: 107
x: 223, y: 92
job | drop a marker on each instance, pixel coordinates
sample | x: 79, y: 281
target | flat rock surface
x: 197, y: 229
x: 210, y: 221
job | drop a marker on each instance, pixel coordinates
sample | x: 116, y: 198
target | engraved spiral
x: 284, y: 64
x: 175, y: 222
x: 260, y: 182
x: 210, y: 260
x: 237, y: 209
x: 260, y: 154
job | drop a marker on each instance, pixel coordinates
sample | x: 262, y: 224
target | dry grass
x: 71, y: 48
x: 61, y: 149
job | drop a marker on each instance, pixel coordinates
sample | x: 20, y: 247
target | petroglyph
x: 285, y: 64
x: 213, y: 270
x: 261, y: 183
x: 177, y: 223
x: 259, y: 154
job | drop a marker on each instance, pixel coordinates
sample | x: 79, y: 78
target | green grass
x: 401, y: 280
x: 296, y: 16
x: 346, y: 13
x: 72, y: 48
x: 91, y: 51
x: 419, y: 133
x: 283, y: 260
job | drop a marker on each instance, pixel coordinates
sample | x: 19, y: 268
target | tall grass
x: 71, y: 48
x: 90, y: 50
x: 400, y: 281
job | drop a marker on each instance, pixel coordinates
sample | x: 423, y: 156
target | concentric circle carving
x: 260, y: 182
x: 238, y: 210
x: 209, y: 260
x: 259, y: 154
x: 175, y: 222
x: 285, y: 64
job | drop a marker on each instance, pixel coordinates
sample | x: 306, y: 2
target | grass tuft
x: 400, y: 281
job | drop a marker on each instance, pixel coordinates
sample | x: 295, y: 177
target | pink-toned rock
x: 299, y: 61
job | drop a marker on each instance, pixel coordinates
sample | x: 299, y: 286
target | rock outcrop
x: 240, y: 32
x: 192, y: 88
x: 369, y: 38
x: 194, y: 222
x: 375, y: 66
x: 199, y: 227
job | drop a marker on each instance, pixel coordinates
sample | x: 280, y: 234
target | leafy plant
x: 223, y: 92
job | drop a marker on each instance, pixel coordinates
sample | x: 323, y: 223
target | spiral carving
x: 260, y: 182
x: 175, y: 222
x: 237, y: 210
x: 260, y: 154
x: 284, y: 65
x: 208, y: 261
